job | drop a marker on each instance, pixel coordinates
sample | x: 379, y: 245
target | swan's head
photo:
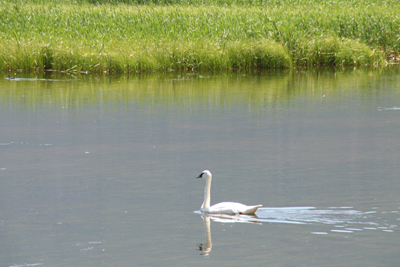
x: 205, y: 174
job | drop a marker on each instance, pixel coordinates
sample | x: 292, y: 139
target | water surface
x: 100, y: 170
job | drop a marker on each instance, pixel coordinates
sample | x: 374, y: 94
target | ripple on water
x: 393, y: 108
x: 354, y: 229
x: 339, y: 219
x: 341, y: 231
x: 26, y: 265
x: 319, y: 233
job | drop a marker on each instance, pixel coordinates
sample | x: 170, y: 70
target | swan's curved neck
x: 207, y: 197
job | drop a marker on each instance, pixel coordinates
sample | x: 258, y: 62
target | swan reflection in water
x: 223, y: 218
x: 207, y: 246
x: 338, y: 220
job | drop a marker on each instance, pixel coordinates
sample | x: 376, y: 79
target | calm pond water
x: 100, y: 170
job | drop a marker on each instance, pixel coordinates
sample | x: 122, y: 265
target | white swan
x: 230, y: 208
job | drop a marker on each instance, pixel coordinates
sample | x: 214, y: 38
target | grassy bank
x: 127, y: 35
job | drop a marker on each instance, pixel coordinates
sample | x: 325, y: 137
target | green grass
x: 133, y: 35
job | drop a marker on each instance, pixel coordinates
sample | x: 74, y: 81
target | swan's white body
x: 230, y: 208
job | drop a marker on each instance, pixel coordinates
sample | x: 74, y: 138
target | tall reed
x: 130, y: 35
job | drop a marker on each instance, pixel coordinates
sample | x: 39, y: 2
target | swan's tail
x: 251, y: 209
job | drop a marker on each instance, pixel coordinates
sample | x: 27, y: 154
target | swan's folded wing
x: 250, y: 209
x: 232, y: 208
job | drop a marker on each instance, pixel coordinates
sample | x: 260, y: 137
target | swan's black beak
x: 200, y: 176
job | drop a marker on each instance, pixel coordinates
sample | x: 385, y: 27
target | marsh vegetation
x: 130, y: 36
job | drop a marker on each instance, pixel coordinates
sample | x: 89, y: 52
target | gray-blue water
x: 100, y: 170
